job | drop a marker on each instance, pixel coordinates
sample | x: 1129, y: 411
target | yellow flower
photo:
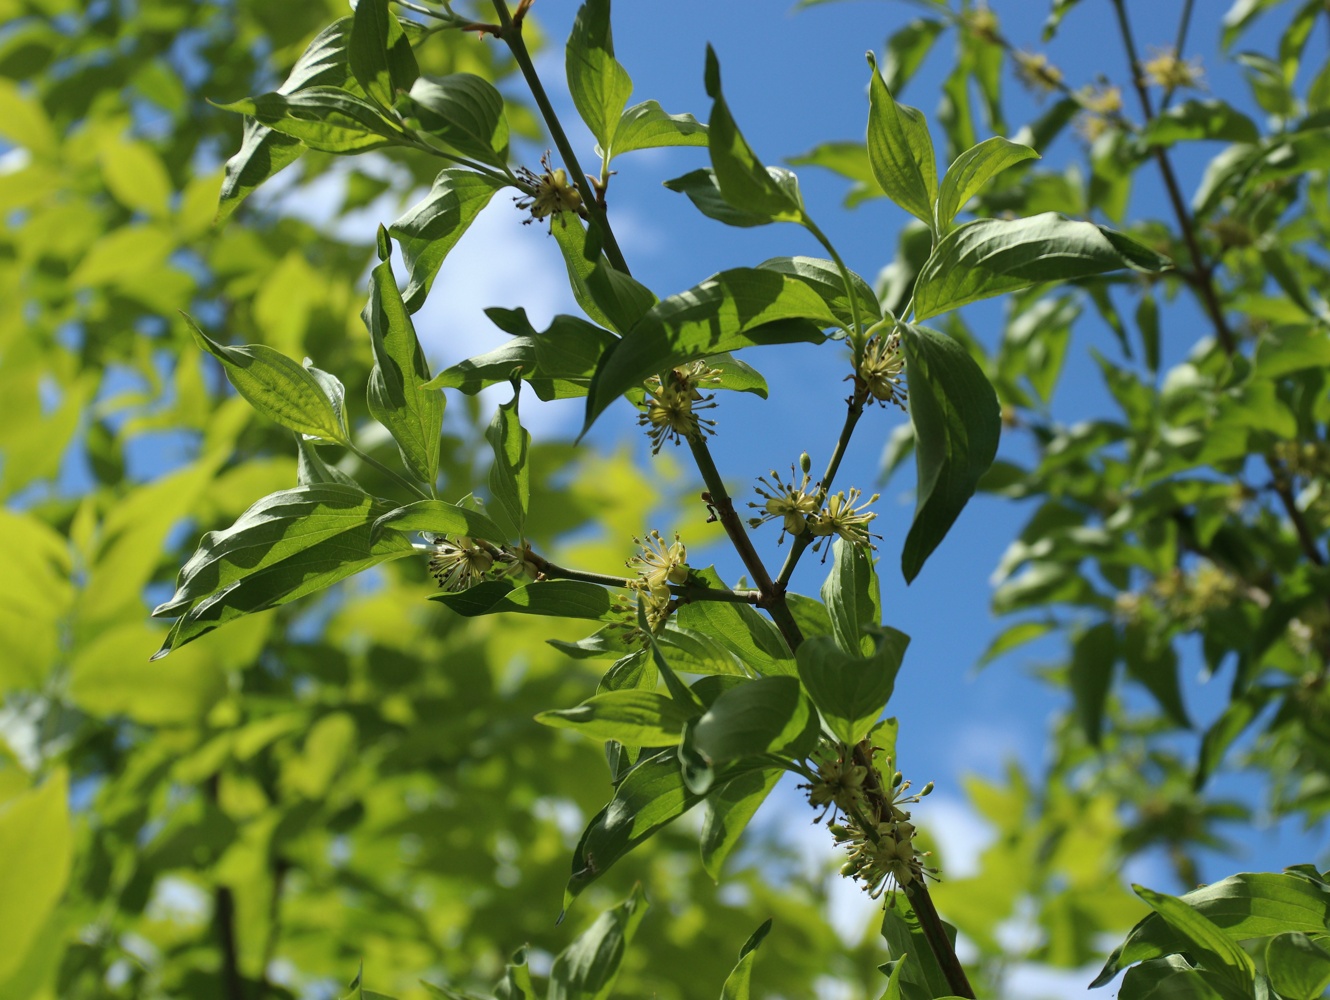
x: 792, y: 504
x: 1037, y: 73
x: 548, y: 194
x: 1165, y: 69
x: 882, y: 369
x: 671, y: 410
x: 661, y: 564
x: 459, y: 563
x: 841, y: 517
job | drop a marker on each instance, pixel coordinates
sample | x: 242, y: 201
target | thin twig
x: 1184, y: 22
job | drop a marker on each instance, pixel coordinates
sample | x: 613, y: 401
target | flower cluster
x: 670, y: 412
x: 548, y: 194
x: 660, y: 564
x: 839, y: 785
x: 877, y: 832
x: 459, y: 563
x: 882, y: 369
x: 1166, y: 69
x: 841, y: 517
x: 1099, y: 106
x: 1038, y: 74
x: 794, y: 505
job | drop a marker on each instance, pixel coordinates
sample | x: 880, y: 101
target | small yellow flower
x: 794, y: 505
x: 841, y: 517
x: 882, y: 369
x: 459, y: 563
x: 660, y: 564
x: 671, y: 410
x: 548, y: 194
x: 1037, y: 73
x: 1165, y: 69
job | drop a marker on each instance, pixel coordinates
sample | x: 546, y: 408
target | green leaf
x: 743, y: 181
x: 1093, y: 657
x: 380, y: 54
x: 36, y: 846
x: 849, y: 689
x: 972, y: 172
x: 734, y: 309
x: 398, y: 394
x: 465, y: 111
x: 1169, y: 978
x: 823, y: 277
x: 599, y: 85
x: 438, y: 517
x: 703, y: 190
x: 649, y: 797
x: 729, y: 808
x: 275, y: 528
x: 606, y: 294
x: 986, y: 258
x: 1191, y: 120
x: 552, y: 598
x: 957, y: 422
x: 767, y: 715
x: 698, y: 653
x: 587, y: 968
x: 738, y: 983
x: 510, y: 475
x: 648, y: 126
x: 1299, y: 968
x: 633, y: 717
x: 557, y: 363
x: 307, y: 571
x: 325, y: 61
x: 853, y: 599
x: 430, y: 229
x: 907, y: 48
x: 1207, y: 942
x: 262, y: 154
x: 323, y: 118
x: 920, y: 975
x: 1244, y: 906
x: 278, y: 388
x: 516, y: 983
x: 900, y: 150
x: 1015, y: 636
x: 744, y: 631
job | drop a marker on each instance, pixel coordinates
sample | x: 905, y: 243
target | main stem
x: 771, y: 592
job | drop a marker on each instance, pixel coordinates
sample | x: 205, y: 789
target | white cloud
x: 959, y: 832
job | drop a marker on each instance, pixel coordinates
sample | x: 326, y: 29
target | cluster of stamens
x: 876, y: 831
x: 842, y: 517
x: 459, y: 563
x: 549, y: 194
x: 671, y: 407
x: 882, y: 369
x: 659, y: 564
x: 794, y: 505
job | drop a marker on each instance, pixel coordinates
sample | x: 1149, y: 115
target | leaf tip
x: 383, y: 244
x: 712, y: 76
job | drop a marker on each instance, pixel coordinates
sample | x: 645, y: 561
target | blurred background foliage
x: 358, y: 778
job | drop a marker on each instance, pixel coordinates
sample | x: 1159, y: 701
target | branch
x: 1203, y: 280
x: 511, y: 33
